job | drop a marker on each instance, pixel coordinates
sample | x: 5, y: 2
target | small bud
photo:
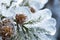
x: 20, y: 18
x: 32, y: 10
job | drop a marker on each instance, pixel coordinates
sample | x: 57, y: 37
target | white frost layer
x: 45, y: 22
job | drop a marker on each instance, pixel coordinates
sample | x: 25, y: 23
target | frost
x: 38, y: 25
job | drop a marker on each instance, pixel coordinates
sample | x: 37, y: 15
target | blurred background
x: 54, y: 6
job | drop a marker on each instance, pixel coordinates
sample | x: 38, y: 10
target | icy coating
x: 39, y: 25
